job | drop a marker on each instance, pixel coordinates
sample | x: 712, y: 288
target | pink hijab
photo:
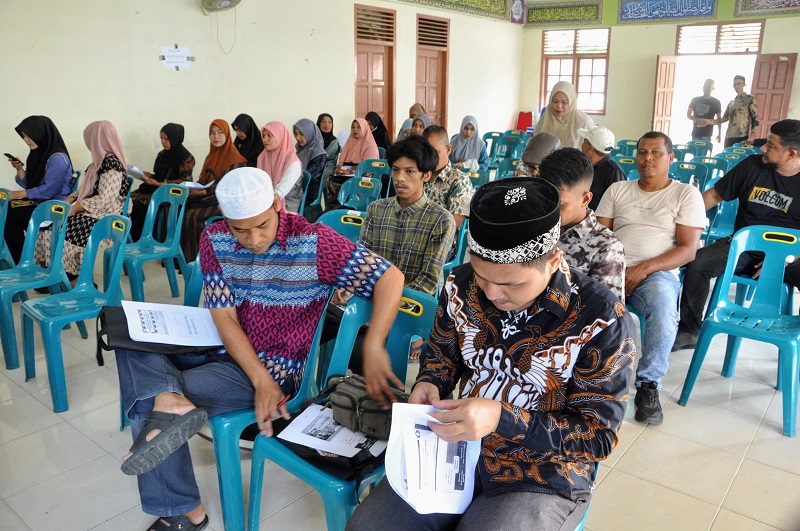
x: 276, y: 161
x: 362, y: 149
x: 102, y: 140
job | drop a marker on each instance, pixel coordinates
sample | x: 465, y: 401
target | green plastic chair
x: 461, y: 249
x: 414, y: 319
x: 714, y: 167
x: 492, y: 139
x: 478, y: 178
x: 82, y: 302
x: 316, y: 202
x: 170, y: 200
x: 377, y: 169
x: 358, y: 193
x: 505, y: 150
x: 6, y: 260
x: 686, y: 149
x: 348, y: 223
x: 629, y: 146
x: 686, y: 171
x: 764, y: 320
x: 628, y: 164
x: 29, y: 275
x: 730, y: 159
x: 722, y: 224
x: 702, y: 147
x: 506, y: 169
x: 76, y: 175
x: 738, y: 150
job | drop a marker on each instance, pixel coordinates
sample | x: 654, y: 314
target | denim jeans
x: 170, y: 489
x: 706, y: 138
x: 657, y: 299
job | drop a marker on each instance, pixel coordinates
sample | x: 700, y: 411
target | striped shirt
x: 416, y: 239
x: 280, y: 295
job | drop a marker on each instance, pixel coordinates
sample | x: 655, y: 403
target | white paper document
x: 195, y: 186
x: 135, y: 172
x: 170, y: 324
x: 316, y: 429
x: 431, y: 475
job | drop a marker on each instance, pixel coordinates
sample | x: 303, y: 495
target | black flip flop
x: 173, y: 523
x: 175, y: 431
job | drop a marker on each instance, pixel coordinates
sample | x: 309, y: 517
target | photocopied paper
x: 170, y: 324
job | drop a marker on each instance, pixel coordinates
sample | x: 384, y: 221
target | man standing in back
x: 704, y: 109
x: 741, y: 115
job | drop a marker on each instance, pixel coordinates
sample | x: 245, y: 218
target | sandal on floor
x: 175, y: 431
x: 177, y: 523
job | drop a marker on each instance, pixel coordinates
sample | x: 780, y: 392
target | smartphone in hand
x: 12, y: 158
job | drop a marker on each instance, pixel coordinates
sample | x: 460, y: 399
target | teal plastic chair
x: 506, y: 169
x: 702, y: 148
x: 76, y: 175
x: 678, y: 153
x: 628, y: 164
x: 414, y: 319
x: 478, y: 177
x: 358, y: 193
x: 505, y: 150
x: 714, y: 168
x: 193, y: 281
x: 82, y: 302
x: 722, y: 224
x: 686, y: 171
x: 738, y: 150
x: 308, y: 203
x: 6, y: 261
x: 148, y: 248
x: 686, y: 150
x: 348, y: 223
x: 515, y: 132
x: 731, y: 159
x: 763, y: 320
x: 629, y: 146
x: 491, y: 138
x: 381, y: 152
x: 29, y: 275
x: 633, y: 175
x: 378, y: 169
x: 228, y: 427
x: 461, y: 249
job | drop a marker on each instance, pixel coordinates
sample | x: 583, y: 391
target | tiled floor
x: 721, y: 463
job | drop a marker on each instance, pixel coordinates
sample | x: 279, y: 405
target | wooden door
x: 431, y: 83
x: 374, y: 81
x: 772, y: 88
x: 665, y: 88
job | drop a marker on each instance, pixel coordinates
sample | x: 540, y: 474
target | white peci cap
x: 245, y: 193
x: 601, y: 138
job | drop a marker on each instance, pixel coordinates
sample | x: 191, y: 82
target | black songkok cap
x: 514, y: 220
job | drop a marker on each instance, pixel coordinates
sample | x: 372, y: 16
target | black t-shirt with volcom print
x: 765, y: 196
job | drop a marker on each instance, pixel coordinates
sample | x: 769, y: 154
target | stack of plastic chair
x: 629, y: 146
x: 316, y: 202
x: 688, y: 172
x: 228, y: 427
x: 461, y: 250
x: 414, y: 319
x: 491, y: 138
x: 506, y: 169
x: 764, y: 320
x: 478, y: 178
x: 357, y: 193
x: 628, y: 164
x: 377, y: 169
x: 6, y: 261
x: 702, y: 148
x: 348, y: 223
x: 29, y: 275
x: 171, y: 200
x: 505, y: 150
x: 82, y: 302
x: 722, y: 224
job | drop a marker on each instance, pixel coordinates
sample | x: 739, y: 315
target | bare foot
x: 196, y: 516
x: 168, y: 403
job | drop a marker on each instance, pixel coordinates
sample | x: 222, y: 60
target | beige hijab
x: 102, y: 140
x: 566, y: 126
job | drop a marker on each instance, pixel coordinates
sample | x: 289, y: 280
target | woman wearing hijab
x: 405, y: 129
x: 173, y: 164
x: 311, y: 152
x: 248, y: 138
x: 378, y: 128
x: 416, y: 110
x: 222, y: 157
x: 420, y: 123
x: 330, y: 143
x: 102, y: 193
x: 360, y: 146
x: 280, y: 161
x: 46, y: 174
x: 469, y: 149
x: 562, y: 117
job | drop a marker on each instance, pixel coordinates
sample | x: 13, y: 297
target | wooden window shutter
x: 433, y: 32
x: 374, y: 25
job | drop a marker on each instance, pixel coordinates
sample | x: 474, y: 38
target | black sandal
x: 175, y: 431
x: 175, y: 523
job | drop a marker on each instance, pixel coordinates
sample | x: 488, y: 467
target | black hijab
x: 252, y: 146
x: 168, y: 162
x: 44, y: 133
x: 327, y: 138
x: 380, y: 133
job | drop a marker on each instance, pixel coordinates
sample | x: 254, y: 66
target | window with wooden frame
x: 709, y: 39
x: 580, y: 57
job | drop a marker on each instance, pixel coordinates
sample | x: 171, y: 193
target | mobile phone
x: 11, y: 157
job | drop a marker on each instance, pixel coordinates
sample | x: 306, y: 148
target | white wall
x: 98, y: 59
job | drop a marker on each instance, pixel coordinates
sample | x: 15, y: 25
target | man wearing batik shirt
x: 544, y: 357
x: 588, y: 246
x: 741, y: 115
x: 267, y: 275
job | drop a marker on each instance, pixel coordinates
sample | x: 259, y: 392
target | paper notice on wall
x: 176, y: 57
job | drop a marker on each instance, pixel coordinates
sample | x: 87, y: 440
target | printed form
x: 170, y: 324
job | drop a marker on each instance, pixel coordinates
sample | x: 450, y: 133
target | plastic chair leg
x: 82, y: 329
x: 8, y: 334
x: 136, y: 281
x: 731, y: 353
x: 339, y: 506
x: 700, y: 351
x: 51, y: 336
x: 227, y: 428
x: 28, y: 348
x: 259, y: 457
x: 787, y: 360
x: 169, y: 265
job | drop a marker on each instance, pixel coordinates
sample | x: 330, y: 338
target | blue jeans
x: 706, y: 138
x: 657, y: 299
x: 170, y: 489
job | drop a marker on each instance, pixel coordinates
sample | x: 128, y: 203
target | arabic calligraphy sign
x: 748, y: 8
x: 487, y: 8
x: 580, y: 13
x: 650, y: 10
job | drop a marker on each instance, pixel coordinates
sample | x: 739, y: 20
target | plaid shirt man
x: 416, y: 239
